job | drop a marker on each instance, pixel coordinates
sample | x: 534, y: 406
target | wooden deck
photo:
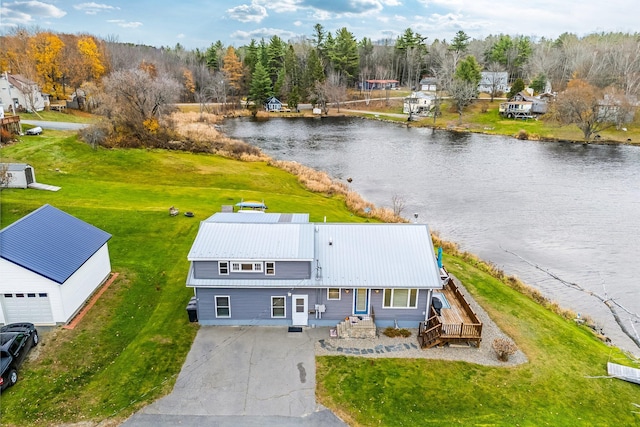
x: 457, y: 324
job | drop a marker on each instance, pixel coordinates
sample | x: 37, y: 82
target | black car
x: 16, y: 339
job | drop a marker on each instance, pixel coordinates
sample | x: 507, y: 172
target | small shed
x: 16, y: 175
x: 273, y: 104
x: 51, y: 263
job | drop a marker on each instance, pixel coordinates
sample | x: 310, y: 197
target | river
x: 534, y: 209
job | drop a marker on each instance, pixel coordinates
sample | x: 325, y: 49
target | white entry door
x: 300, y: 306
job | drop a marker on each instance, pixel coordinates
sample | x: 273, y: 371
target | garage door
x: 27, y: 307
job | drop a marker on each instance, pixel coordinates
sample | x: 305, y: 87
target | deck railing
x: 429, y: 332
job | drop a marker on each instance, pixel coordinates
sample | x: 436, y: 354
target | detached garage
x: 50, y: 263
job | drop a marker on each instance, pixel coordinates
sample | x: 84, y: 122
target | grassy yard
x: 129, y: 348
x: 552, y: 389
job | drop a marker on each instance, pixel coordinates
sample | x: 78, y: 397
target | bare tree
x: 463, y: 93
x: 135, y: 101
x: 398, y: 203
x: 590, y: 108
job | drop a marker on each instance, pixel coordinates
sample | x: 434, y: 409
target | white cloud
x: 265, y: 33
x: 125, y: 24
x: 23, y: 13
x: 32, y: 8
x: 248, y: 13
x: 94, y: 8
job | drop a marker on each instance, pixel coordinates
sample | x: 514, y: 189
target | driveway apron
x: 243, y: 371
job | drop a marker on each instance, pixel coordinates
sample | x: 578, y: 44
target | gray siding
x: 253, y: 307
x: 285, y: 270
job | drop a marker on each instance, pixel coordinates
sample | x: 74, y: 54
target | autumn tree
x: 233, y: 70
x: 46, y: 48
x: 591, y: 109
x: 92, y: 59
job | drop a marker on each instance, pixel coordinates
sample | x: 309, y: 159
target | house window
x: 246, y: 267
x: 223, y: 268
x: 223, y: 306
x: 333, y: 293
x: 400, y: 298
x: 278, y: 308
x: 270, y: 268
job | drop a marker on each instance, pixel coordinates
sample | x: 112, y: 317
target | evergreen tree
x: 469, y: 70
x: 275, y: 58
x: 252, y: 56
x: 260, y: 89
x: 344, y: 55
x: 517, y: 87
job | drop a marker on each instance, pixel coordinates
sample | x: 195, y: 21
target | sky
x: 199, y: 23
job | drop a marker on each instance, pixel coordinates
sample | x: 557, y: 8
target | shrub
x: 504, y: 348
x: 393, y: 332
x: 522, y: 134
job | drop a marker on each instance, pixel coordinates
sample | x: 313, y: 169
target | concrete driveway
x: 244, y: 376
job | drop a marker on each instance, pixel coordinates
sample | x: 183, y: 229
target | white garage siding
x: 77, y: 288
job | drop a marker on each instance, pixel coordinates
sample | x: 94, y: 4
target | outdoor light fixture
x: 346, y: 291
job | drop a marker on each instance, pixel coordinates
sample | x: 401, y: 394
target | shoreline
x: 380, y: 116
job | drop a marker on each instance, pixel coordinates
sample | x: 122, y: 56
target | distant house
x: 429, y: 84
x: 417, y: 103
x: 379, y: 84
x: 273, y: 104
x: 51, y: 262
x: 280, y: 269
x: 16, y: 175
x: 17, y: 93
x: 523, y: 106
x: 494, y: 82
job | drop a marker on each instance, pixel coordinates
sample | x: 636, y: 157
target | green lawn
x: 551, y: 389
x: 130, y: 347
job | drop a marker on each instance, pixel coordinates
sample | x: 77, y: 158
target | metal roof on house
x: 252, y: 241
x: 243, y: 217
x: 341, y: 255
x: 51, y: 243
x: 376, y: 255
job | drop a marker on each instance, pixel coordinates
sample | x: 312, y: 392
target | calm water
x: 569, y: 209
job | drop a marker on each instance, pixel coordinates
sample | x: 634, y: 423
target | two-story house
x: 280, y: 269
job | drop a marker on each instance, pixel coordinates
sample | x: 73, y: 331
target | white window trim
x: 220, y: 269
x: 334, y: 299
x: 266, y: 268
x: 408, y: 307
x: 256, y: 267
x: 215, y: 302
x: 284, y: 299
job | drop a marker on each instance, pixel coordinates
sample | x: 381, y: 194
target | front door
x: 361, y: 301
x: 300, y: 304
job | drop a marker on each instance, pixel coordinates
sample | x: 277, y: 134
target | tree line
x: 318, y: 68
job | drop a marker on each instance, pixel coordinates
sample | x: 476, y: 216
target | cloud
x: 32, y: 8
x: 94, y: 8
x: 248, y: 13
x: 125, y: 24
x: 349, y: 7
x: 22, y: 13
x: 265, y: 33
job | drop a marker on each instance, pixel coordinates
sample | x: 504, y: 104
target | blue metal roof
x: 51, y: 243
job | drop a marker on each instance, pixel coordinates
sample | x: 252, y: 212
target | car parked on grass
x: 34, y: 131
x: 16, y: 340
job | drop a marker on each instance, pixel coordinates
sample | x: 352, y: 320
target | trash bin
x: 192, y: 311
